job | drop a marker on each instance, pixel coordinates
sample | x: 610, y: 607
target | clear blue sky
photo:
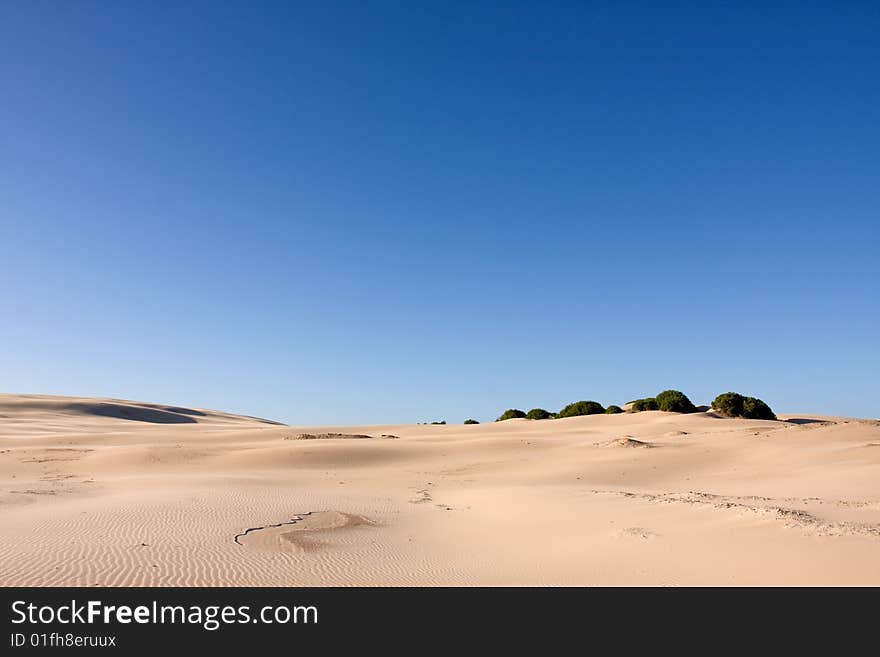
x: 399, y: 212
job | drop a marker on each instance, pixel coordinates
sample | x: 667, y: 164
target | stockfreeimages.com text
x: 209, y: 617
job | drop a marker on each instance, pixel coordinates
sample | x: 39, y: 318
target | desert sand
x: 108, y: 492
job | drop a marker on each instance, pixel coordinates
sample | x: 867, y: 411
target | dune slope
x: 110, y: 492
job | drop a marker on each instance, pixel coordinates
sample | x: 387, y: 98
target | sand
x: 108, y: 492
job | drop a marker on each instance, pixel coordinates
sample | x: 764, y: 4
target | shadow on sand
x: 133, y: 413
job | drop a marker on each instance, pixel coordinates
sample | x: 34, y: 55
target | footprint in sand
x: 637, y: 532
x: 423, y: 496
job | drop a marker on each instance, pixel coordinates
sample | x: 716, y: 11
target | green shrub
x: 613, y: 409
x: 581, y: 408
x: 469, y: 421
x: 674, y: 401
x: 538, y: 414
x: 440, y: 422
x: 756, y: 409
x: 729, y: 404
x: 510, y: 413
x: 647, y: 404
x: 733, y: 404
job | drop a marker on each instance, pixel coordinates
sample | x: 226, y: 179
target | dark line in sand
x: 295, y: 519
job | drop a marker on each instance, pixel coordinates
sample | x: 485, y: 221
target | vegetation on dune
x: 757, y: 409
x: 674, y: 401
x: 510, y: 414
x: 440, y: 422
x: 646, y: 404
x: 470, y: 421
x: 581, y: 408
x: 729, y: 404
x: 733, y: 404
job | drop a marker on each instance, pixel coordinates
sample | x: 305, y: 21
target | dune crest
x: 35, y: 413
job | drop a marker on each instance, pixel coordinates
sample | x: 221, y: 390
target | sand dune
x: 46, y: 414
x: 112, y: 492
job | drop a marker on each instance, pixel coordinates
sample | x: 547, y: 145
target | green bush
x: 613, y: 409
x: 581, y: 408
x: 647, y: 404
x: 538, y: 414
x: 510, y: 413
x: 756, y: 409
x: 674, y: 401
x: 729, y: 404
x: 440, y: 422
x: 733, y: 404
x: 469, y: 421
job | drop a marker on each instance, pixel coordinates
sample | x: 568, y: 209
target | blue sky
x: 400, y: 212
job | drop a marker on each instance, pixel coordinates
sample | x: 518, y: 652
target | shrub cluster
x: 730, y: 404
x: 470, y: 421
x: 576, y: 408
x: 674, y: 401
x: 671, y: 401
x: 733, y: 404
x: 647, y: 404
x: 510, y: 413
x: 581, y: 408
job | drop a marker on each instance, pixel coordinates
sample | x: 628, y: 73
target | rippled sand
x: 121, y: 493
